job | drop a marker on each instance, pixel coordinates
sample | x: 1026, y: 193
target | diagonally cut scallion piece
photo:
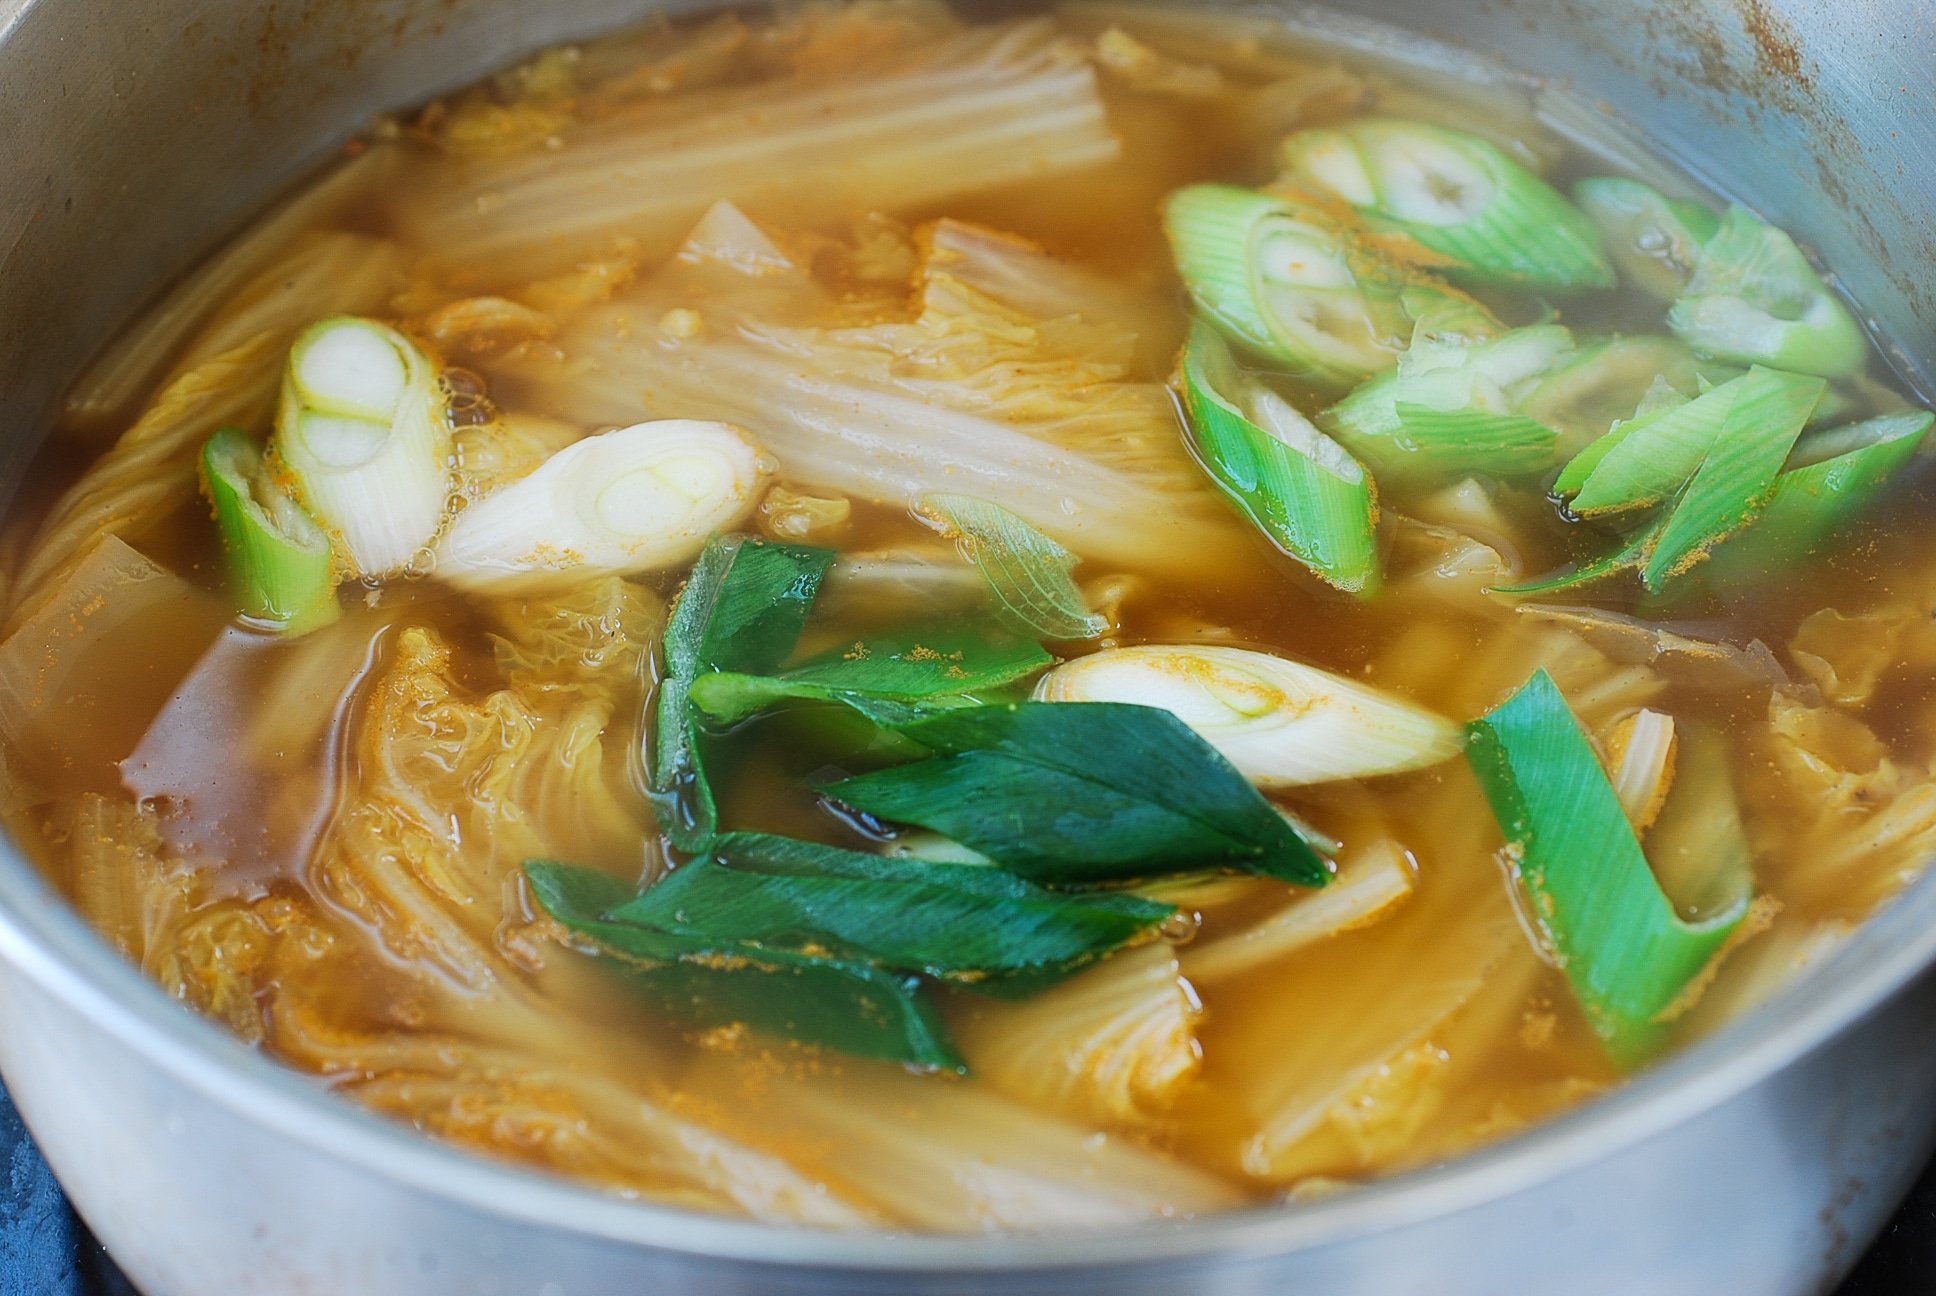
x: 1737, y: 477
x: 1755, y: 298
x: 1295, y: 484
x: 635, y: 499
x: 1645, y: 460
x: 363, y: 438
x: 1654, y: 240
x: 1456, y: 194
x: 1284, y: 281
x: 1027, y: 572
x: 1282, y: 723
x: 279, y: 560
x: 1833, y: 478
x: 1452, y: 405
x: 1611, y: 381
x: 1628, y: 950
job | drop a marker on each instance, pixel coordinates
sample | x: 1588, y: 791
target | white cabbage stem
x: 365, y: 439
x: 1280, y: 722
x: 637, y: 499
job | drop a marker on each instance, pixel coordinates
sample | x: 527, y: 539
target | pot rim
x: 45, y: 940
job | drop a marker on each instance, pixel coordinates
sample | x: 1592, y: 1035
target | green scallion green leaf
x: 1457, y: 194
x: 967, y: 924
x: 1084, y: 792
x: 846, y: 1003
x: 951, y: 662
x: 1755, y: 298
x: 280, y: 564
x: 1607, y: 382
x: 1027, y: 572
x: 1833, y: 478
x: 742, y: 610
x: 1655, y: 241
x: 1625, y: 948
x: 1296, y: 485
x: 1737, y: 477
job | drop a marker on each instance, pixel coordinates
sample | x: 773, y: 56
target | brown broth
x: 247, y: 758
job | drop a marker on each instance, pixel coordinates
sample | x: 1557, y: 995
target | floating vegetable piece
x: 939, y: 665
x: 1372, y: 881
x: 364, y: 439
x: 1737, y: 477
x: 1625, y: 948
x: 1452, y: 405
x: 1079, y: 793
x: 1609, y: 382
x: 1645, y: 460
x: 280, y: 565
x: 1283, y: 281
x: 742, y: 610
x: 1457, y: 194
x: 637, y: 499
x: 1280, y: 722
x: 1831, y: 479
x: 1755, y: 298
x: 836, y: 1002
x: 1297, y: 485
x: 980, y: 927
x: 1655, y: 240
x: 1026, y: 571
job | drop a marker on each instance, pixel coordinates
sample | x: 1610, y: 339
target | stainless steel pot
x: 1760, y: 1162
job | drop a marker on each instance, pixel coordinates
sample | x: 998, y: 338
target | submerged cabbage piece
x: 1031, y: 398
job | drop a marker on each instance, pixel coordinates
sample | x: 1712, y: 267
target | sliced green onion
x: 1832, y: 478
x: 1737, y: 477
x: 1282, y: 280
x: 364, y: 438
x: 1457, y: 194
x: 1451, y: 405
x: 1645, y: 460
x: 1026, y: 571
x: 280, y: 565
x: 1755, y: 298
x: 641, y: 498
x: 1280, y: 722
x: 1602, y: 384
x: 1630, y: 556
x: 1295, y: 484
x: 1655, y: 241
x: 1625, y: 947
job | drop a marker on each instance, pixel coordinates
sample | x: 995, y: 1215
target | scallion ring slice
x: 279, y: 560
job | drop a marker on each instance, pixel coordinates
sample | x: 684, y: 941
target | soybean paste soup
x: 869, y: 618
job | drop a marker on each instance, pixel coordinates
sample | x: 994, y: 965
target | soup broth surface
x: 318, y: 839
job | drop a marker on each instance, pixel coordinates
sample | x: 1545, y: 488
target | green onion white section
x: 280, y: 565
x: 1755, y: 298
x: 1279, y: 279
x: 637, y: 499
x: 1297, y: 485
x: 1655, y: 241
x: 364, y: 439
x: 1280, y: 722
x: 1611, y: 381
x: 1458, y: 195
x: 1620, y: 939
